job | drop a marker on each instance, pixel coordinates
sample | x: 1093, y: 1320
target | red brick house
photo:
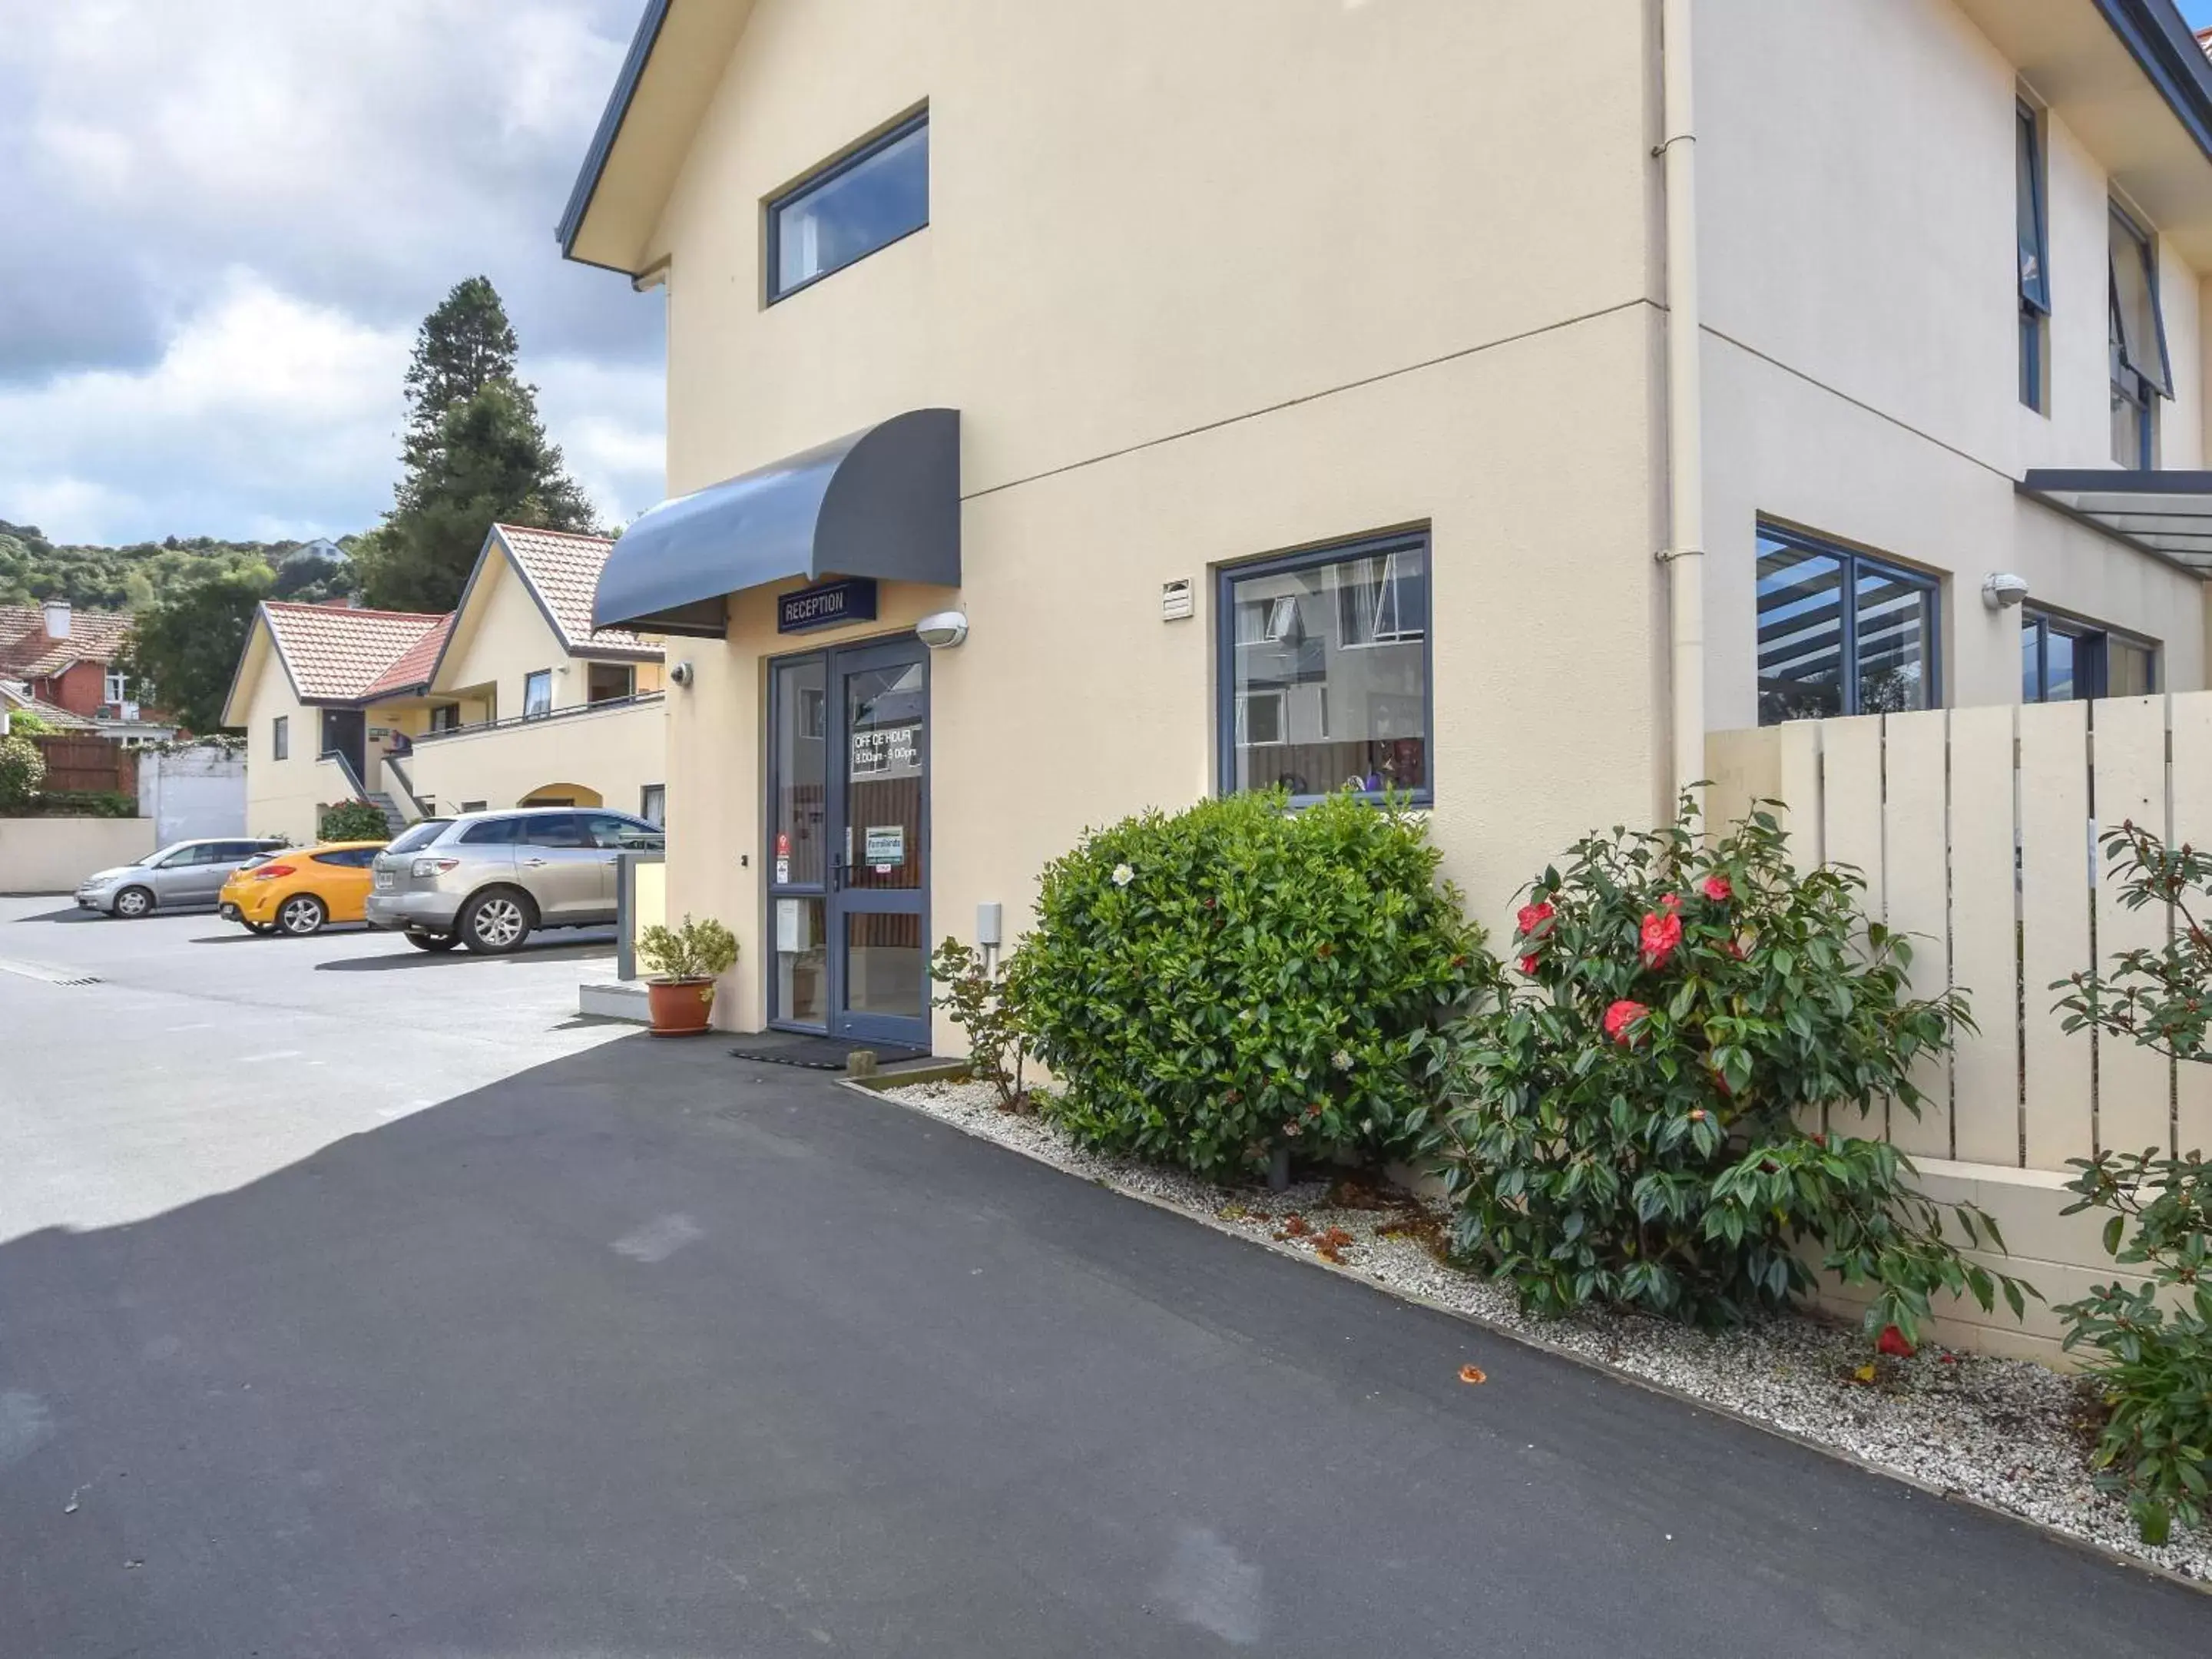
x: 65, y: 657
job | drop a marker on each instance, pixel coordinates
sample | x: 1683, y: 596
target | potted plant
x: 684, y: 962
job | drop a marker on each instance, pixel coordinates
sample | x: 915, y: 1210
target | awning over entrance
x: 2167, y: 514
x: 882, y: 502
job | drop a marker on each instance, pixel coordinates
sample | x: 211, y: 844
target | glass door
x: 848, y: 843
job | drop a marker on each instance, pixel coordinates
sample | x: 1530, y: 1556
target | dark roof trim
x: 2168, y: 52
x: 611, y: 124
x: 883, y: 501
x: 2049, y: 486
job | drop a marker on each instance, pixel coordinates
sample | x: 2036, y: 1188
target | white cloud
x: 243, y: 211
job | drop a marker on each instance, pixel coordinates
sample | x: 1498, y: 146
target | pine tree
x: 476, y: 454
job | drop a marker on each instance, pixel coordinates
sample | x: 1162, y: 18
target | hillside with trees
x: 145, y: 573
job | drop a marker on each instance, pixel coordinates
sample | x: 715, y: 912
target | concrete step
x: 619, y: 1000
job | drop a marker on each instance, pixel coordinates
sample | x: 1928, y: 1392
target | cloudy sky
x: 221, y: 221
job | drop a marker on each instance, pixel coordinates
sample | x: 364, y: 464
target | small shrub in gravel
x: 987, y: 1006
x: 1212, y: 985
x: 1638, y: 1122
x: 2152, y: 1343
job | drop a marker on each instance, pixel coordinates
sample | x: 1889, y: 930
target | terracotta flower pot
x: 679, y: 1006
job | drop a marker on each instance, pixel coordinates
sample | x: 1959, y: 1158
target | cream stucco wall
x: 52, y: 855
x: 501, y: 638
x: 1856, y: 210
x: 613, y: 753
x: 281, y: 796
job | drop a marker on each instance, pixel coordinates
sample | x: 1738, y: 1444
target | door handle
x: 532, y: 864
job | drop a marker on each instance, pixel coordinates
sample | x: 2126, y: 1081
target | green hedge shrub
x: 22, y: 769
x: 1215, y: 984
x: 86, y: 804
x: 355, y: 820
x: 1639, y: 1122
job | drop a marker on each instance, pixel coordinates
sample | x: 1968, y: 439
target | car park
x: 184, y: 875
x: 489, y: 880
x: 302, y: 890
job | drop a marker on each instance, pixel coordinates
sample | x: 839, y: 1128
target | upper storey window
x: 846, y: 210
x: 2140, y: 372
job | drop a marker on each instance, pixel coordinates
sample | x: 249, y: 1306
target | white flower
x: 1342, y: 1060
x: 1123, y: 875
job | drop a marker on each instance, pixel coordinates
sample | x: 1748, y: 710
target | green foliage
x: 693, y: 950
x: 184, y: 649
x: 2153, y: 1361
x: 2154, y: 1343
x: 32, y: 567
x: 987, y: 1007
x: 85, y: 804
x: 25, y: 723
x: 1626, y: 1126
x: 355, y: 820
x: 22, y: 769
x: 1213, y: 985
x: 476, y: 454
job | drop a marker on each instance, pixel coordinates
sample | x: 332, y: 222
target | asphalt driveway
x: 643, y: 1350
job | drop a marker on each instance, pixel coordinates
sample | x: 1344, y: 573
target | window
x: 1325, y: 671
x: 2034, y: 258
x: 1840, y: 633
x: 496, y: 832
x: 2140, y: 372
x: 2062, y: 660
x: 445, y: 717
x: 608, y: 681
x: 653, y: 805
x: 115, y: 687
x: 280, y: 738
x: 613, y: 830
x: 537, y: 694
x: 351, y: 857
x: 421, y: 833
x: 552, y: 829
x: 474, y: 805
x: 847, y: 210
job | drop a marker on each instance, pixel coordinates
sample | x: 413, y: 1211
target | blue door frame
x: 843, y: 891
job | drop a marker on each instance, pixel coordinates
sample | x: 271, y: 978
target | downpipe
x: 1685, y: 556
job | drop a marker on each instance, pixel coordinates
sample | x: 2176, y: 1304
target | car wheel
x: 497, y: 922
x: 303, y: 915
x: 433, y: 941
x: 133, y: 902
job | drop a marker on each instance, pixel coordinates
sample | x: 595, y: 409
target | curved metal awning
x: 884, y: 502
x: 2165, y: 514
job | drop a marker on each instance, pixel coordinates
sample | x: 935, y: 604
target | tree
x: 476, y: 454
x: 184, y: 650
x: 464, y: 345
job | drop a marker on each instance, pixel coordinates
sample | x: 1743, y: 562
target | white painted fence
x: 1976, y: 830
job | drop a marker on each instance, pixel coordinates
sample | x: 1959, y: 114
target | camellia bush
x: 355, y: 820
x: 1663, y: 1105
x: 22, y: 769
x: 1212, y: 986
x: 2148, y: 1344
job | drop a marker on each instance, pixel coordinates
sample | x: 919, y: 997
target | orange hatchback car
x: 299, y: 889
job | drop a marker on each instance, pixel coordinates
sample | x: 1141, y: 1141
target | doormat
x: 819, y: 1054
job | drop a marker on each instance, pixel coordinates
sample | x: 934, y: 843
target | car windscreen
x: 416, y: 834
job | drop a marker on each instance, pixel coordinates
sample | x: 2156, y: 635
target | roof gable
x: 335, y: 653
x: 28, y: 653
x: 561, y: 572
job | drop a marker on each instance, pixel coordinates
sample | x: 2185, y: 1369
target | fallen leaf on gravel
x: 1473, y: 1374
x: 1864, y: 1374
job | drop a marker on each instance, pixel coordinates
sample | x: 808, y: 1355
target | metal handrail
x: 394, y: 764
x: 513, y: 721
x: 359, y: 789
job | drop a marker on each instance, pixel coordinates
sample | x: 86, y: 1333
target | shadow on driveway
x: 645, y: 1352
x: 557, y: 949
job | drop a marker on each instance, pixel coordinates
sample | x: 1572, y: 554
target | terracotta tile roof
x: 416, y: 665
x: 339, y: 654
x: 19, y: 697
x: 565, y: 571
x: 27, y: 652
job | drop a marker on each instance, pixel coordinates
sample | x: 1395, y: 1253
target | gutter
x: 1685, y: 556
x: 610, y: 129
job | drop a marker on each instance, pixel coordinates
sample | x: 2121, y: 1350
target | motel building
x: 1075, y: 410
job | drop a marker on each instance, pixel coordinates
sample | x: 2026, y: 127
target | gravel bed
x: 2005, y: 1431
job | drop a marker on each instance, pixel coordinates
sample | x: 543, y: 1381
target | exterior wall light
x: 2003, y: 590
x: 942, y: 630
x: 680, y: 674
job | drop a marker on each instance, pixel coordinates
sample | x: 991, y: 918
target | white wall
x: 190, y: 793
x: 1856, y: 193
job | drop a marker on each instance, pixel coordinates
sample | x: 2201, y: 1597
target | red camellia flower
x: 1662, y: 932
x: 1621, y: 1017
x: 1717, y: 889
x: 1891, y: 1342
x: 1533, y: 916
x: 1528, y: 966
x: 1670, y: 902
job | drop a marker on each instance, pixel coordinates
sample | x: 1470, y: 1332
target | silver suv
x: 183, y: 875
x: 489, y: 879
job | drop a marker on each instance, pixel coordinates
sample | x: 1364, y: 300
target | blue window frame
x: 2035, y: 255
x: 2063, y: 660
x: 847, y: 209
x: 1324, y: 680
x: 1840, y: 632
x: 2141, y: 372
